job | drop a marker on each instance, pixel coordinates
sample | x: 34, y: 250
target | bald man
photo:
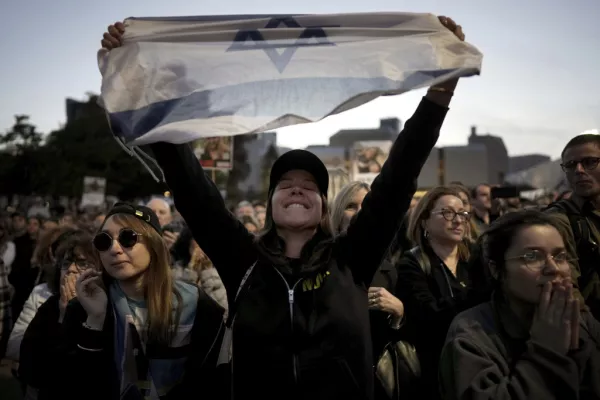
x: 162, y: 209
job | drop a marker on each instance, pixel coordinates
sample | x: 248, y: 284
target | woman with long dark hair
x: 534, y: 340
x: 301, y: 321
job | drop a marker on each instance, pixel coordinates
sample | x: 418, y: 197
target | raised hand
x: 555, y: 317
x: 452, y: 26
x: 68, y: 292
x: 92, y: 297
x: 113, y: 38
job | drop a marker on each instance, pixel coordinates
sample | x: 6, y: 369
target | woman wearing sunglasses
x: 134, y: 326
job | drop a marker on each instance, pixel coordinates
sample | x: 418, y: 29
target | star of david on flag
x: 179, y: 79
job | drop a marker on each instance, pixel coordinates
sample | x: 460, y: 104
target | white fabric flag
x: 178, y: 79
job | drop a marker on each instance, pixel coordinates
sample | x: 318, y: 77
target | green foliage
x: 83, y: 147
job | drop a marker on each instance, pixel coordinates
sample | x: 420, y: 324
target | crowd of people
x: 374, y: 294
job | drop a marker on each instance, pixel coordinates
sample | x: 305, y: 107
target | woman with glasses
x: 45, y: 259
x: 433, y: 277
x: 534, y: 339
x: 40, y: 363
x: 140, y: 333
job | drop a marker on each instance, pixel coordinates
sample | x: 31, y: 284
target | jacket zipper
x: 291, y: 304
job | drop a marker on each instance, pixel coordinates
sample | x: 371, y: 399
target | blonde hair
x: 422, y: 211
x: 159, y: 289
x: 341, y: 202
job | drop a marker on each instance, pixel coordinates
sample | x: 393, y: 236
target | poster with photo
x: 368, y: 159
x: 214, y: 152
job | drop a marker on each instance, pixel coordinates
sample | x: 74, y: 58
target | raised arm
x: 369, y: 237
x: 219, y: 234
x: 225, y: 241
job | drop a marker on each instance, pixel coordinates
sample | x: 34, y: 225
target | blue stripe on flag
x: 262, y: 98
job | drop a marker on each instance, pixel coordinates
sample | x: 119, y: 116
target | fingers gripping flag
x: 178, y: 79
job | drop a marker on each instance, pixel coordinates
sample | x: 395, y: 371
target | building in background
x: 521, y: 163
x: 497, y: 155
x: 332, y: 156
x: 466, y: 164
x: 388, y: 129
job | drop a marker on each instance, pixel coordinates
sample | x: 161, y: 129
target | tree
x: 83, y: 147
x: 23, y: 136
x: 86, y: 147
x: 21, y: 145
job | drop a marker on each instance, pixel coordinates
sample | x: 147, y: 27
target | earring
x: 426, y: 234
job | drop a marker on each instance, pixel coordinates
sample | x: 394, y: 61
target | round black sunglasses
x: 127, y: 238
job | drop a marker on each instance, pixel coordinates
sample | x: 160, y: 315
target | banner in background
x: 369, y: 158
x: 215, y: 152
x: 179, y: 79
x: 94, y: 190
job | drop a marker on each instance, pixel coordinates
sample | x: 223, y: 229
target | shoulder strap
x: 422, y: 259
x: 233, y: 306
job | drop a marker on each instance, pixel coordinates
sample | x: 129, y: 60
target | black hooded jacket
x: 302, y: 329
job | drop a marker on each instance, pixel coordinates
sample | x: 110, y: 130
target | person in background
x: 162, y: 209
x: 465, y: 196
x: 482, y: 207
x: 19, y: 224
x: 7, y: 255
x: 41, y: 362
x: 22, y: 277
x: 386, y: 310
x: 579, y: 216
x: 434, y: 278
x: 39, y: 208
x: 46, y: 260
x: 193, y: 266
x: 67, y: 220
x: 244, y: 208
x: 250, y: 223
x: 259, y: 207
x: 7, y: 247
x: 533, y: 340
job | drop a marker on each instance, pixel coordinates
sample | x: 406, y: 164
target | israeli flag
x: 179, y: 79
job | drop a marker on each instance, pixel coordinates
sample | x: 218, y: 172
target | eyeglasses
x: 450, y: 215
x: 80, y: 264
x: 536, y: 260
x: 127, y: 238
x: 588, y: 164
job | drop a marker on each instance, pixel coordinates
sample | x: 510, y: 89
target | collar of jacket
x: 508, y: 321
x: 315, y: 253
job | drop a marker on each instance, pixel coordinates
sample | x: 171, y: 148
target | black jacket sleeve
x: 225, y: 240
x: 42, y: 347
x: 373, y: 230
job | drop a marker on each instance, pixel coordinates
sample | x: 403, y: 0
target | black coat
x: 302, y: 327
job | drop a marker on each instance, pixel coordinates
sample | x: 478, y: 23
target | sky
x: 540, y: 82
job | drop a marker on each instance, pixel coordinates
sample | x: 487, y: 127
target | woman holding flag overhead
x: 301, y: 317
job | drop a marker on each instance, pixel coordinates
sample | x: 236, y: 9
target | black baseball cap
x: 141, y: 212
x: 303, y: 160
